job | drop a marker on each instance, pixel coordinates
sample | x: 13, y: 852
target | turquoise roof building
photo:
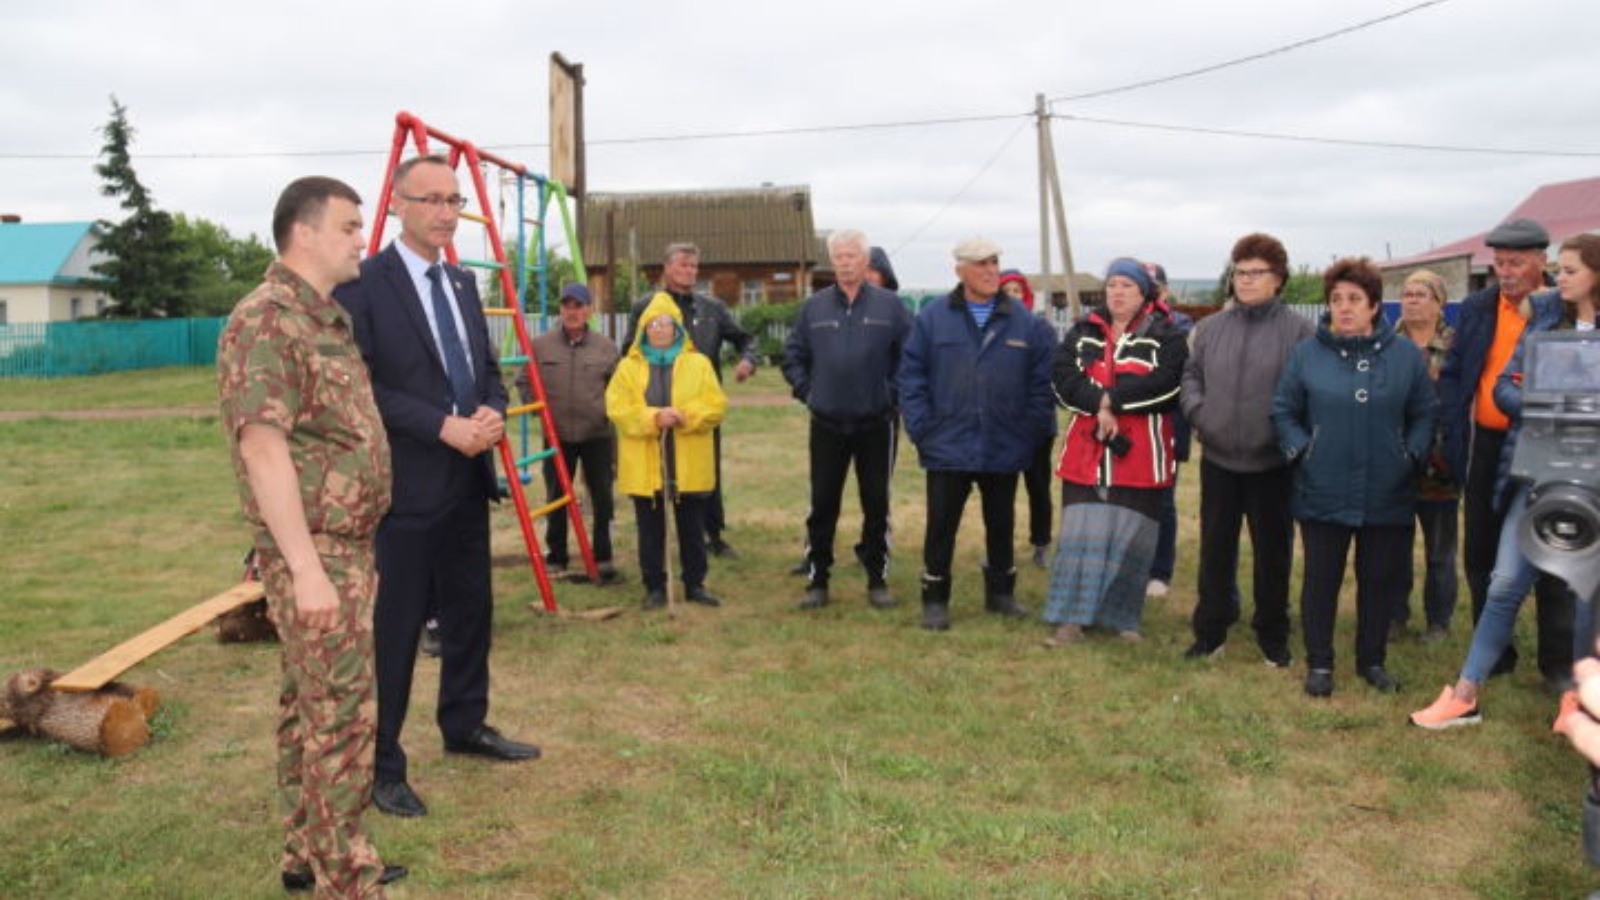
x: 45, y: 272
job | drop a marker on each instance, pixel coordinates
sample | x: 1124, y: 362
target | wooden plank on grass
x: 95, y: 673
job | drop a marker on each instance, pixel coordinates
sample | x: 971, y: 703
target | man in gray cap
x: 976, y: 397
x: 1488, y: 325
x: 575, y: 363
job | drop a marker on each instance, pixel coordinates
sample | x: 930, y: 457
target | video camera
x: 1558, y: 452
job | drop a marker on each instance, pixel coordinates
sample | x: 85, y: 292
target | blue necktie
x: 462, y: 389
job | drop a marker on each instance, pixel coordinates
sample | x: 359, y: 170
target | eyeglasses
x: 454, y: 201
x: 1426, y: 295
x: 1250, y: 274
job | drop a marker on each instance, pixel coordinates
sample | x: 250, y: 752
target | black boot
x: 935, y: 603
x: 998, y: 593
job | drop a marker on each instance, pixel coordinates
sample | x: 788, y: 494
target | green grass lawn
x: 750, y: 751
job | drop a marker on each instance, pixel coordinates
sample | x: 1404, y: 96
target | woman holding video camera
x: 1571, y: 306
x: 1354, y: 415
x: 1117, y: 370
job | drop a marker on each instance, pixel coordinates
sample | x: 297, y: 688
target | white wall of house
x: 26, y: 303
x: 49, y: 303
x: 84, y: 257
x: 69, y: 302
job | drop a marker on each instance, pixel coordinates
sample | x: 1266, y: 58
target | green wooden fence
x: 90, y: 347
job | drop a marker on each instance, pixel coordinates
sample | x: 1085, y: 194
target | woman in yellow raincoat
x: 666, y: 403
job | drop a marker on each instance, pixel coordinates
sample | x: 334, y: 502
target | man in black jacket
x: 841, y: 359
x: 709, y: 324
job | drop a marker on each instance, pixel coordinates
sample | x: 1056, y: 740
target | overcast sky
x: 232, y: 100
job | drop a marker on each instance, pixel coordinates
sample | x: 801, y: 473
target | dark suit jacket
x: 411, y: 385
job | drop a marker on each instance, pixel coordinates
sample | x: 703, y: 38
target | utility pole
x: 1050, y: 195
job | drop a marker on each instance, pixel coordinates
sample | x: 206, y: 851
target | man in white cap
x: 975, y: 394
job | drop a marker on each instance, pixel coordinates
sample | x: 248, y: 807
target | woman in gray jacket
x: 1234, y: 360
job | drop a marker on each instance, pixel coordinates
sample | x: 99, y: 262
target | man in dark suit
x: 421, y: 329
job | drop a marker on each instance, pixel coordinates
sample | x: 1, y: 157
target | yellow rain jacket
x: 695, y: 392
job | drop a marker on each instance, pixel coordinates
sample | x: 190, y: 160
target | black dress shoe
x: 655, y: 599
x: 720, y: 548
x: 397, y: 799
x: 816, y: 597
x: 1319, y: 683
x: 486, y: 741
x: 1379, y: 678
x: 305, y: 881
x: 703, y: 597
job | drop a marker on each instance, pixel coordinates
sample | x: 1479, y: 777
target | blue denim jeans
x: 1513, y: 577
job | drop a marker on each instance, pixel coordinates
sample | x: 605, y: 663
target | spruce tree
x: 144, y: 271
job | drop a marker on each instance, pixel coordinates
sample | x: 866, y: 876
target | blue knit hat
x: 1134, y: 270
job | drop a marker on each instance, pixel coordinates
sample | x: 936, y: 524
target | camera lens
x: 1567, y: 529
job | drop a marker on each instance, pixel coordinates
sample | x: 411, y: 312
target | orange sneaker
x: 1569, y: 705
x: 1447, y: 712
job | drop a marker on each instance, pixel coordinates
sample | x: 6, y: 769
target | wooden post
x: 1049, y: 173
x: 1042, y: 124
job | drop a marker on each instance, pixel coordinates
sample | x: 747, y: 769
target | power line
x: 964, y: 188
x: 863, y: 126
x: 593, y: 142
x: 1346, y: 142
x: 1242, y: 60
x: 210, y: 154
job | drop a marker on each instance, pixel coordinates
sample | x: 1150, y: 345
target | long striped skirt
x: 1102, y: 561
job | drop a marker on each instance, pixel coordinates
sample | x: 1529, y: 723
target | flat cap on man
x: 577, y: 293
x: 976, y: 249
x: 1518, y: 234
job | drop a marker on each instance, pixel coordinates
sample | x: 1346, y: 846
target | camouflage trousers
x: 327, y: 719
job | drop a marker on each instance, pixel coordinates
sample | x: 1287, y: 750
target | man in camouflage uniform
x: 312, y: 460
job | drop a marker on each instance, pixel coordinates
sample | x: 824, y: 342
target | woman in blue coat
x: 1354, y: 412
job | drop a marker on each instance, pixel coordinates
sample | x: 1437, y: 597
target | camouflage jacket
x: 288, y: 359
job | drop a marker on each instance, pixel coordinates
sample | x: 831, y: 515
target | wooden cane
x: 669, y: 491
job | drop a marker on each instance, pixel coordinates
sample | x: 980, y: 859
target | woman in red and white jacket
x: 1117, y: 371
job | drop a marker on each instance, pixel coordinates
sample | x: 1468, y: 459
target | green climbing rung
x: 483, y: 264
x: 541, y: 456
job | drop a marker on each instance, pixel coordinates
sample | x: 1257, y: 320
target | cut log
x: 249, y: 624
x: 114, y: 720
x: 97, y: 672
